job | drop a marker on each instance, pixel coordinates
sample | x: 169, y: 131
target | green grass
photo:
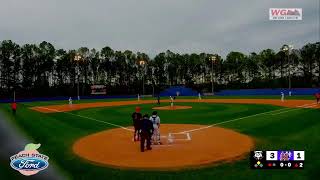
x: 43, y: 103
x: 57, y: 132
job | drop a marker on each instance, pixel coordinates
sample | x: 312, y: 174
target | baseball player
x: 138, y: 97
x: 146, y: 132
x: 70, y: 101
x: 199, y: 96
x: 158, y: 98
x: 155, y: 119
x: 14, y: 107
x: 136, y: 119
x: 282, y: 96
x: 171, y: 99
x: 317, y: 95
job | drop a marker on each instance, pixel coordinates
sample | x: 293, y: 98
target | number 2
x: 301, y: 165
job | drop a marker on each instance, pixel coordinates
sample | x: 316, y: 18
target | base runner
x: 155, y: 119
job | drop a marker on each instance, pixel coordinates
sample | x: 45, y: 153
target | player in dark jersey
x: 317, y: 95
x: 136, y: 120
x: 146, y: 133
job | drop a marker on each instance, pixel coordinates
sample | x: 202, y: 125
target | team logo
x: 258, y: 155
x: 285, y: 155
x: 29, y: 161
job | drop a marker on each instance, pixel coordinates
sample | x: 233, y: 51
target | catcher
x: 155, y: 119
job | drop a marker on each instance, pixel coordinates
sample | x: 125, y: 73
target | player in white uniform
x: 155, y: 119
x: 282, y: 96
x: 199, y: 96
x: 138, y: 97
x: 70, y: 101
x: 171, y: 99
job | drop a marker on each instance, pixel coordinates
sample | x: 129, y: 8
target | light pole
x: 213, y: 60
x: 142, y: 63
x: 77, y: 58
x: 286, y: 49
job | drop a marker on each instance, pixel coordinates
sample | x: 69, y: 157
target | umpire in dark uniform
x: 146, y: 132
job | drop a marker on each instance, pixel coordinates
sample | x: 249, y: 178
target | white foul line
x: 88, y: 118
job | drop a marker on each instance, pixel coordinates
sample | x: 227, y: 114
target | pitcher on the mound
x: 155, y: 119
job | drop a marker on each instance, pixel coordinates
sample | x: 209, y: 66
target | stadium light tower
x: 77, y: 58
x: 287, y: 49
x: 142, y: 64
x: 213, y: 59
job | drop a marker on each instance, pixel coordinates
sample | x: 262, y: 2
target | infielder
x: 136, y: 120
x: 171, y: 99
x: 282, y: 96
x: 70, y: 101
x: 317, y: 96
x: 155, y: 119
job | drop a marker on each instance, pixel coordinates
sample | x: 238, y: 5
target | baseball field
x: 93, y: 138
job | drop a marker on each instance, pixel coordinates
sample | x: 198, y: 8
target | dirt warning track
x: 276, y: 102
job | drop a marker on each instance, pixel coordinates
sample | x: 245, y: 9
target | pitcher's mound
x: 172, y: 107
x: 202, y: 147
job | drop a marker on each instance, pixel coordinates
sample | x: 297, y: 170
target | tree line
x: 43, y: 70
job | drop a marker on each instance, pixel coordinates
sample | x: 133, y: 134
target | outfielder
x: 155, y: 119
x: 282, y: 96
x: 199, y: 96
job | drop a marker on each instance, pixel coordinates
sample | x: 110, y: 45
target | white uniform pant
x: 156, y: 135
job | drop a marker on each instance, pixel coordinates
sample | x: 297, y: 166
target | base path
x: 67, y: 107
x: 115, y: 148
x: 172, y: 108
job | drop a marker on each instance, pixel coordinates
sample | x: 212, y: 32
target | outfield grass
x: 57, y: 132
x: 43, y: 103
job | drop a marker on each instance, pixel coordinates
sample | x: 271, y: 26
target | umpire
x: 146, y: 132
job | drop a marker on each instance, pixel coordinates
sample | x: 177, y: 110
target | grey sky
x: 153, y: 26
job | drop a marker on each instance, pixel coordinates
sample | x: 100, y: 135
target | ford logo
x: 29, y: 161
x: 29, y: 164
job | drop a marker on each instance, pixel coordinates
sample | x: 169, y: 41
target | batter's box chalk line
x: 182, y: 136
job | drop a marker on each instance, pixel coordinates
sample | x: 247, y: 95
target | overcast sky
x: 153, y: 26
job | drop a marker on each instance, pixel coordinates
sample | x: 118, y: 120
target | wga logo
x: 29, y: 161
x: 285, y: 14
